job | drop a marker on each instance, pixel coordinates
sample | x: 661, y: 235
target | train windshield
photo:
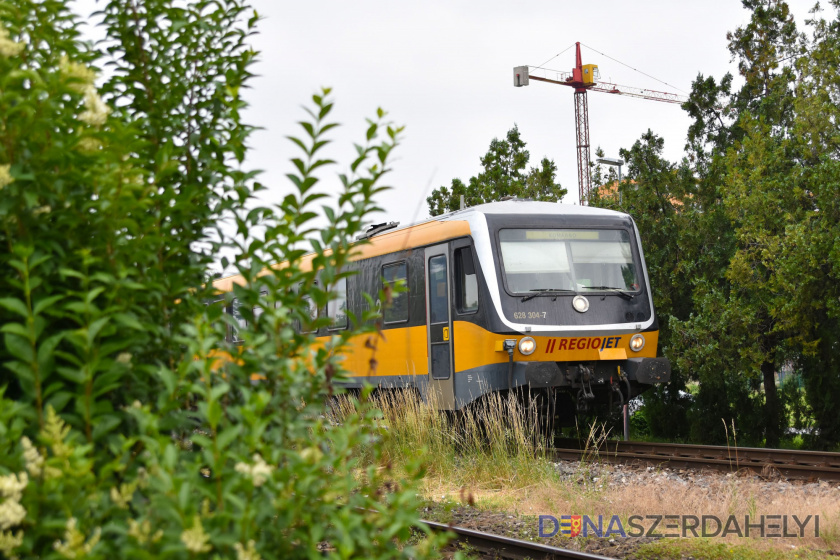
x: 568, y: 259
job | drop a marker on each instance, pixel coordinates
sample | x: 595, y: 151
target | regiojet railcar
x: 543, y: 298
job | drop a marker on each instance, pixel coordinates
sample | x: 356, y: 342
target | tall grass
x: 495, y: 443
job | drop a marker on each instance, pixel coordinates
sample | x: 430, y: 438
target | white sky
x: 444, y: 70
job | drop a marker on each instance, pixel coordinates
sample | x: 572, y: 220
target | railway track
x: 792, y: 464
x: 497, y: 546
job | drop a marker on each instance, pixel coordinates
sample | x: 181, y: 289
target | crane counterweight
x: 583, y: 78
x: 520, y: 76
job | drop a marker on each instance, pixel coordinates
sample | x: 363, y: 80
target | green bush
x: 124, y: 431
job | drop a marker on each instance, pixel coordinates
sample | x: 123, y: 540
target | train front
x: 571, y: 311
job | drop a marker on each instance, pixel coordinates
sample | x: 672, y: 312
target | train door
x: 439, y: 327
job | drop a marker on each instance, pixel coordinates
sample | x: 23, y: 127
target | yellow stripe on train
x: 404, y: 351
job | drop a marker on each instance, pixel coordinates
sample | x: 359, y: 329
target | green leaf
x: 71, y: 273
x: 19, y: 347
x: 22, y: 369
x: 202, y: 441
x: 16, y: 306
x: 128, y: 320
x: 227, y: 435
x: 59, y: 400
x: 52, y: 388
x: 95, y: 327
x: 214, y: 414
x: 105, y: 424
x: 46, y: 348
x: 16, y: 328
x: 185, y: 496
x: 107, y: 381
x: 167, y: 376
x: 93, y: 294
x: 218, y: 391
x: 170, y: 457
x: 44, y: 303
x: 73, y: 374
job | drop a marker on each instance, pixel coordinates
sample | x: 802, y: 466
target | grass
x: 707, y: 549
x: 492, y: 445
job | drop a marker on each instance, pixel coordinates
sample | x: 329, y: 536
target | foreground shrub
x: 130, y: 427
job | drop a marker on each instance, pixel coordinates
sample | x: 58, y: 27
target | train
x: 546, y: 299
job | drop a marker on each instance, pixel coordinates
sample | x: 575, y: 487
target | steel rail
x: 506, y: 547
x: 790, y: 463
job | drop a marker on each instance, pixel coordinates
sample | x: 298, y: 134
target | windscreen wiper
x: 619, y: 291
x: 539, y: 291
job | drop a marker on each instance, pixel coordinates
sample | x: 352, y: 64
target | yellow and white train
x: 516, y: 294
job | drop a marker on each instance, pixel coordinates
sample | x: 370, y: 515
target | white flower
x: 55, y: 431
x: 124, y: 358
x: 121, y: 496
x: 11, y: 486
x: 195, y: 539
x: 96, y: 110
x: 34, y: 461
x: 74, y: 545
x: 8, y: 48
x: 11, y: 514
x: 80, y: 72
x: 142, y: 477
x: 9, y: 542
x: 143, y: 532
x: 259, y: 471
x: 41, y: 210
x: 249, y: 553
x: 5, y: 177
x: 89, y: 145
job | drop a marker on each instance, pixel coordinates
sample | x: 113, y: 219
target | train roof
x: 513, y: 207
x: 522, y: 206
x: 446, y: 226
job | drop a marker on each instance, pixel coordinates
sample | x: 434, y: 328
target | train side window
x: 466, y: 296
x: 438, y: 296
x: 312, y: 308
x: 337, y: 308
x: 239, y: 321
x: 397, y: 312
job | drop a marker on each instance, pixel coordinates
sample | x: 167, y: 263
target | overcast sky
x: 444, y: 70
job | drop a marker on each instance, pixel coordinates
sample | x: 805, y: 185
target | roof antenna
x: 376, y: 229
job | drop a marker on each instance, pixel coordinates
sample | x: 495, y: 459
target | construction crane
x: 585, y: 77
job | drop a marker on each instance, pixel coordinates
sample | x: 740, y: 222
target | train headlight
x: 527, y: 346
x: 637, y: 342
x: 581, y: 304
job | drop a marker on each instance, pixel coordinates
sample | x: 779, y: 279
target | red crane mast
x: 583, y: 78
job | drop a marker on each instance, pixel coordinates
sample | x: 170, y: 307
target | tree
x: 740, y: 156
x: 810, y: 255
x: 503, y: 175
x: 127, y: 429
x: 742, y: 236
